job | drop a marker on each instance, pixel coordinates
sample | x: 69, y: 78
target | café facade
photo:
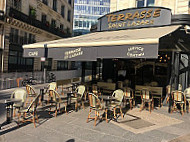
x: 139, y: 44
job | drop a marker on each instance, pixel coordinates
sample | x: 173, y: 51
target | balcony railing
x: 2, y: 16
x: 36, y: 23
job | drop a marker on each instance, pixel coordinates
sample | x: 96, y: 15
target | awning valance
x: 133, y: 43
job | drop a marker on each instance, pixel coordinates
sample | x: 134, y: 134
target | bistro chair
x: 56, y: 101
x: 19, y: 93
x: 187, y: 97
x: 146, y: 98
x: 30, y: 111
x: 78, y: 96
x: 118, y: 94
x: 51, y: 86
x: 129, y: 96
x: 31, y: 94
x: 178, y: 98
x: 97, y: 106
x: 96, y: 90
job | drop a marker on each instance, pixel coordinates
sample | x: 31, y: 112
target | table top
x: 107, y: 97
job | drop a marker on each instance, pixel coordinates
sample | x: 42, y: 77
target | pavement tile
x: 162, y: 136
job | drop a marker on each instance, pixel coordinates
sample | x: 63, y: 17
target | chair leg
x: 83, y: 105
x: 114, y: 111
x: 182, y: 109
x: 130, y: 101
x: 121, y: 111
x: 88, y: 115
x: 56, y: 110
x: 59, y: 107
x: 152, y: 105
x: 142, y: 106
x: 76, y: 105
x: 95, y: 118
x: 106, y: 111
x: 14, y: 112
x: 34, y: 120
x: 161, y: 102
x: 149, y: 106
x: 133, y: 102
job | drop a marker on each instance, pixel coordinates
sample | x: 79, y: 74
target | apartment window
x: 32, y: 12
x: 63, y: 11
x: 70, y: 2
x: 44, y: 18
x: 45, y: 2
x: 55, y: 5
x: 14, y: 37
x: 25, y: 38
x: 17, y: 4
x: 61, y: 27
x: 69, y: 15
x: 145, y: 3
x: 53, y: 23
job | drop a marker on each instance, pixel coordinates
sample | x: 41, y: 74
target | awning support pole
x: 177, y: 68
x: 188, y: 72
x: 93, y: 71
x: 83, y: 72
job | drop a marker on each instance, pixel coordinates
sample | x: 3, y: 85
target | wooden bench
x: 157, y: 92
x: 107, y: 87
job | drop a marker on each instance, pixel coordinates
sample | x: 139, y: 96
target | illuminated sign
x: 135, y: 18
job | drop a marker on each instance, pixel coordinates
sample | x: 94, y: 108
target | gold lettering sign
x: 138, y: 18
x: 137, y: 15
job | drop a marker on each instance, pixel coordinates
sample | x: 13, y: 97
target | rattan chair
x: 146, y: 98
x: 187, y: 97
x: 31, y: 94
x: 56, y: 101
x: 97, y: 106
x: 78, y: 96
x: 51, y: 86
x: 129, y: 96
x: 30, y: 111
x: 19, y: 93
x: 118, y: 94
x: 178, y: 98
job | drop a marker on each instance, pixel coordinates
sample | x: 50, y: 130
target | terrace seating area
x: 112, y: 99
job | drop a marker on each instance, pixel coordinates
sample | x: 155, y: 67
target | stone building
x: 177, y: 6
x: 30, y: 21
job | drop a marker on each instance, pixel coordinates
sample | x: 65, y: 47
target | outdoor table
x: 107, y: 99
x: 69, y: 96
x: 9, y: 107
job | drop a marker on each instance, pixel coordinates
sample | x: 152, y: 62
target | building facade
x: 86, y: 13
x: 30, y: 21
x: 177, y: 6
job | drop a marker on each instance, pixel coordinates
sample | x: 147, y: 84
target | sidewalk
x: 159, y: 126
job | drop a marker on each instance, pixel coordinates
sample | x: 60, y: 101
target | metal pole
x: 177, y: 67
x: 188, y: 73
x: 83, y: 72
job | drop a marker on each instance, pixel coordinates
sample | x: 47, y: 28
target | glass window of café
x: 62, y: 65
x: 144, y: 3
